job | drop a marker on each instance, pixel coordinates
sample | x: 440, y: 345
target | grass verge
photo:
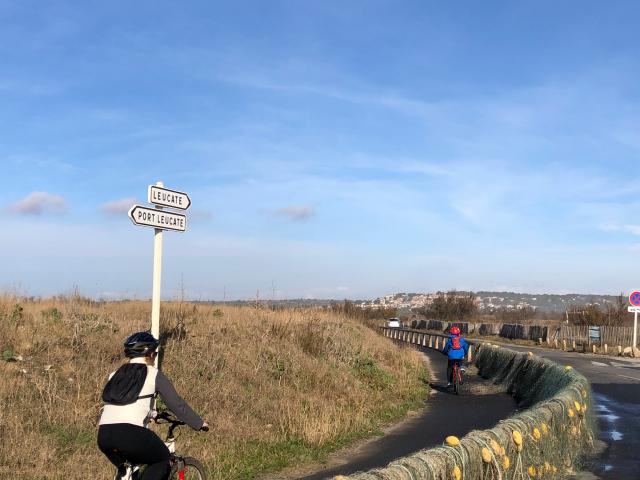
x: 279, y: 387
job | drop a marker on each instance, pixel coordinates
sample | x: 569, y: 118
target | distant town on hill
x: 491, y: 301
x: 486, y: 301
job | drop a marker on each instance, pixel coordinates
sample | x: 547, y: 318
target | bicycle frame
x: 170, y: 442
x: 457, y: 376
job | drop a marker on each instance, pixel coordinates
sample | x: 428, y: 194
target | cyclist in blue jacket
x: 455, y: 349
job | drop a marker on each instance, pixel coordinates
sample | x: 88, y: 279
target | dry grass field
x: 278, y: 387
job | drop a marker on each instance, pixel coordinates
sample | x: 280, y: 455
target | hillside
x: 277, y: 387
x: 489, y: 301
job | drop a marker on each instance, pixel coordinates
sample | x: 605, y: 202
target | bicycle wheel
x: 188, y: 468
x: 460, y: 382
x: 456, y: 381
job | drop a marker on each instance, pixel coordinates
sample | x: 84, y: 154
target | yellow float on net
x: 506, y: 463
x: 495, y: 446
x: 577, y: 405
x: 457, y: 474
x: 536, y: 433
x: 486, y: 455
x: 452, y: 441
x: 584, y: 393
x: 571, y: 413
x: 568, y: 367
x: 531, y: 471
x: 517, y: 437
x: 545, y: 428
x: 574, y: 431
x: 547, y: 467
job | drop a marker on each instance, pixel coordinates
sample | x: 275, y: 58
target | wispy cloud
x: 118, y: 207
x: 628, y: 228
x: 38, y: 203
x: 296, y: 212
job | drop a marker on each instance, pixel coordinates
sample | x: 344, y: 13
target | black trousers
x: 122, y: 442
x: 450, y: 369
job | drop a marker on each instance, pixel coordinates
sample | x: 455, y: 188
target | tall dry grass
x: 277, y: 387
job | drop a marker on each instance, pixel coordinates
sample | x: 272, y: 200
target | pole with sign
x: 634, y: 300
x: 160, y: 221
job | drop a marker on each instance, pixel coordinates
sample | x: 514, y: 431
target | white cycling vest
x: 138, y: 412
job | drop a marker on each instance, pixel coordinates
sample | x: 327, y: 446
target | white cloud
x: 611, y: 227
x: 296, y: 212
x: 37, y: 203
x: 633, y: 229
x: 118, y: 207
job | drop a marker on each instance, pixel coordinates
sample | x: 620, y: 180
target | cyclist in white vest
x: 129, y: 399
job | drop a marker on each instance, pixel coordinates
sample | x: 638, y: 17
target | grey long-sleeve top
x: 176, y: 404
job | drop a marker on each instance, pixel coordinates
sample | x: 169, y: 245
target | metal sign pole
x: 160, y: 220
x: 635, y: 330
x: 157, y: 276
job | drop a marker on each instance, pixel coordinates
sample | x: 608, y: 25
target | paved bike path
x: 445, y: 414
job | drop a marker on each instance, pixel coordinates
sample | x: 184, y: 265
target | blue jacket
x: 456, y: 354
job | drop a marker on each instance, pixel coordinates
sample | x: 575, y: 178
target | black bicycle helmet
x: 140, y: 344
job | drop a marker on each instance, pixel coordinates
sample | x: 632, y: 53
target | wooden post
x: 573, y: 345
x: 564, y: 345
x: 539, y: 341
x: 470, y: 354
x: 619, y: 350
x: 555, y: 343
x: 593, y: 346
x: 606, y: 349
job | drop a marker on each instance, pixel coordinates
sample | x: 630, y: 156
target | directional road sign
x: 168, y: 198
x: 634, y: 299
x: 633, y: 309
x: 150, y: 217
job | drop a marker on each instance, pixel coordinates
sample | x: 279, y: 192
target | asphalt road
x: 616, y: 386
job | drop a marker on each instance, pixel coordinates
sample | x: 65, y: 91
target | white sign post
x: 160, y: 220
x: 634, y: 300
x: 635, y: 311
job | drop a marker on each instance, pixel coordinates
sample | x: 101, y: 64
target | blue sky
x: 330, y: 149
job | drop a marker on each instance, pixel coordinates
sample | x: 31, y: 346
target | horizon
x: 330, y: 150
x: 266, y: 298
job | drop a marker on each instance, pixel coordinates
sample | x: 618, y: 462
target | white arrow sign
x: 168, y: 198
x: 149, y: 217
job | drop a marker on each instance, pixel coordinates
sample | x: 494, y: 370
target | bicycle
x: 182, y: 468
x: 458, y: 371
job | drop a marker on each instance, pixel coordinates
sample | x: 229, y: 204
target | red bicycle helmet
x: 454, y: 331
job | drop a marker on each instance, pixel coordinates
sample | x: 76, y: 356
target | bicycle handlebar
x: 168, y: 417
